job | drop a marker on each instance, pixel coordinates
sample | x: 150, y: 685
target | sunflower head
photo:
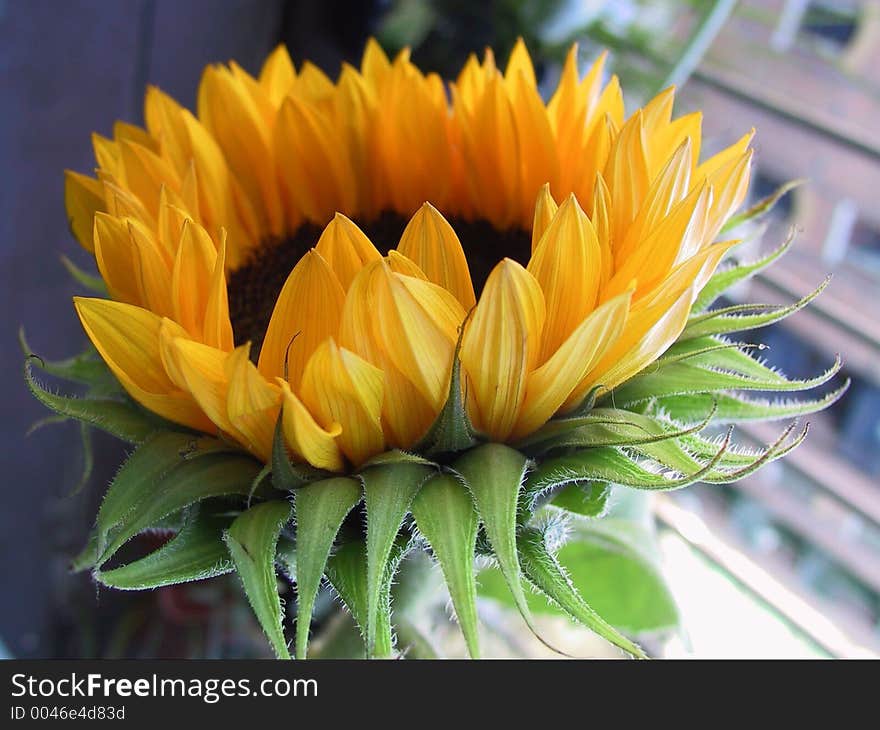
x: 451, y: 291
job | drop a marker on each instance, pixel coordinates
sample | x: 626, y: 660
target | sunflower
x: 452, y: 316
x: 318, y: 245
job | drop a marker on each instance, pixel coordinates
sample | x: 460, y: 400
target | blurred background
x: 785, y: 564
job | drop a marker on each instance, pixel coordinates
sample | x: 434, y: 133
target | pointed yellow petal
x: 145, y: 173
x: 118, y: 259
x: 418, y: 324
x: 277, y: 75
x: 218, y: 326
x: 340, y: 388
x: 308, y: 311
x: 154, y: 268
x: 83, y: 197
x: 200, y: 370
x: 567, y: 265
x: 545, y: 209
x: 128, y: 339
x: 252, y: 403
x: 500, y: 347
x: 431, y: 243
x: 164, y: 118
x: 601, y: 219
x: 191, y: 277
x: 346, y: 249
x: 557, y: 380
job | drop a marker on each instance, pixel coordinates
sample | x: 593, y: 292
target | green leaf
x: 452, y: 431
x: 762, y: 207
x: 91, y: 282
x: 742, y: 317
x: 146, y: 491
x: 445, y: 515
x: 195, y: 553
x: 320, y: 509
x: 494, y: 475
x: 731, y: 408
x: 87, y: 367
x: 251, y: 540
x: 388, y: 493
x: 683, y: 378
x: 544, y: 571
x: 287, y: 476
x: 589, y: 499
x: 121, y: 419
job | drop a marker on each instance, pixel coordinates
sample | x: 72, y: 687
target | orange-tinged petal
x: 118, y: 259
x: 191, y: 277
x: 567, y: 264
x: 430, y: 242
x: 500, y: 347
x: 557, y: 380
x: 145, y: 173
x: 339, y: 387
x: 277, y: 75
x: 218, y: 327
x: 346, y: 249
x: 127, y: 337
x: 200, y: 370
x: 600, y: 217
x: 83, y: 197
x: 308, y: 311
x: 164, y: 118
x: 545, y: 209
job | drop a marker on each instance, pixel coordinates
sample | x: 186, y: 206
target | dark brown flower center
x: 254, y: 287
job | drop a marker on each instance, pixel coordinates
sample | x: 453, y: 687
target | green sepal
x: 122, y: 419
x: 589, y: 499
x: 608, y: 464
x: 494, y: 474
x: 762, y: 207
x: 320, y: 509
x: 388, y: 493
x: 347, y: 573
x: 729, y: 276
x: 682, y: 378
x: 287, y: 476
x: 732, y: 408
x: 87, y: 367
x: 543, y: 570
x: 445, y: 515
x: 396, y: 456
x: 88, y: 459
x: 164, y: 475
x: 92, y: 282
x: 741, y: 317
x: 251, y: 540
x: 452, y: 430
x: 195, y: 553
x: 285, y: 557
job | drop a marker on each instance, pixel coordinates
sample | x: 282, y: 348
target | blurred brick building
x: 806, y: 75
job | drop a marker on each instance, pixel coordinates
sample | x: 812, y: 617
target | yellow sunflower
x: 311, y: 249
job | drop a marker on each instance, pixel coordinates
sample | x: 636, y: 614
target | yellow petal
x: 500, y: 347
x: 118, y: 259
x: 339, y: 387
x: 252, y: 403
x: 128, y: 339
x: 557, y: 380
x: 164, y: 118
x: 145, y: 173
x: 545, y: 209
x: 601, y: 218
x: 191, y: 277
x: 308, y: 311
x: 307, y: 440
x: 200, y: 370
x: 418, y: 324
x: 567, y: 265
x: 218, y: 327
x: 431, y: 243
x: 83, y: 197
x: 277, y: 75
x: 346, y: 249
x: 154, y: 268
